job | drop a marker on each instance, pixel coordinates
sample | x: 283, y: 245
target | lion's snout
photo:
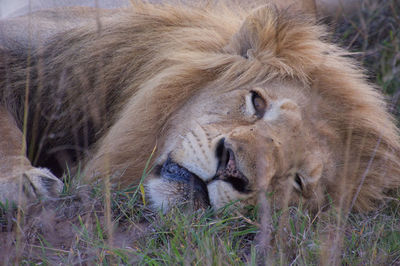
x: 228, y: 170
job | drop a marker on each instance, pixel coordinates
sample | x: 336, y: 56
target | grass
x: 75, y: 229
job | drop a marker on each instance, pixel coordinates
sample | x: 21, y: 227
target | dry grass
x: 91, y: 226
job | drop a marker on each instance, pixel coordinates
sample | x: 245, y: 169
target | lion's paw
x: 37, y: 184
x: 42, y: 183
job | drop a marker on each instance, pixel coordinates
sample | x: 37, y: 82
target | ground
x: 91, y: 226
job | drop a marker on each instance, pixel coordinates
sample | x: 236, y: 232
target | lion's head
x: 278, y: 109
x: 228, y: 142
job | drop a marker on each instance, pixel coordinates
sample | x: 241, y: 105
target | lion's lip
x: 176, y: 173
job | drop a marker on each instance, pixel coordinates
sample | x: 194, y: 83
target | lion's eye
x: 298, y: 182
x: 259, y: 104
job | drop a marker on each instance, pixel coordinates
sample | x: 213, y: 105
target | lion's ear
x: 247, y: 40
x: 261, y: 25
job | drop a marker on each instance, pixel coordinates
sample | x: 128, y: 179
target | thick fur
x: 107, y: 92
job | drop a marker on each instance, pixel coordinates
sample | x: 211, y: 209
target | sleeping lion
x: 234, y: 100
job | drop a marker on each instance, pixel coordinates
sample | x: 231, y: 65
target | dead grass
x: 89, y: 226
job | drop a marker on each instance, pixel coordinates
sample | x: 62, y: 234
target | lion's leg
x: 20, y: 182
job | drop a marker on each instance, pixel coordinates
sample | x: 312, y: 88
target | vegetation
x: 89, y: 226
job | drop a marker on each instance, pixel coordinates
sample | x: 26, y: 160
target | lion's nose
x: 219, y: 151
x: 222, y: 154
x: 228, y: 169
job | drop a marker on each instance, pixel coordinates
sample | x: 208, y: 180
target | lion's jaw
x: 221, y: 139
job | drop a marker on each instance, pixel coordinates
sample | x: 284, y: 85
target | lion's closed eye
x: 298, y: 182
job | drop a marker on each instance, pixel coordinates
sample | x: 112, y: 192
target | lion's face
x: 228, y: 144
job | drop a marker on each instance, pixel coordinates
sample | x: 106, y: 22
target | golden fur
x: 129, y: 81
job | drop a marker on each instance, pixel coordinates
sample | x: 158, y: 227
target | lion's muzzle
x: 228, y: 169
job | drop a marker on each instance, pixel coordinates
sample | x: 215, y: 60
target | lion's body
x: 106, y: 91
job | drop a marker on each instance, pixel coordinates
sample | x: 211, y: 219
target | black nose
x: 222, y: 154
x: 228, y: 169
x: 220, y: 148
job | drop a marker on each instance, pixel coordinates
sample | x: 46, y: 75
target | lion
x: 233, y: 100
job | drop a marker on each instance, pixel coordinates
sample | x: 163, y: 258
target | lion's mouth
x: 226, y: 171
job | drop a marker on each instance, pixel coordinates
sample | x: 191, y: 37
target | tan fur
x: 176, y: 75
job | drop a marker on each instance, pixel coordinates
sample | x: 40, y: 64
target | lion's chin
x: 174, y: 185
